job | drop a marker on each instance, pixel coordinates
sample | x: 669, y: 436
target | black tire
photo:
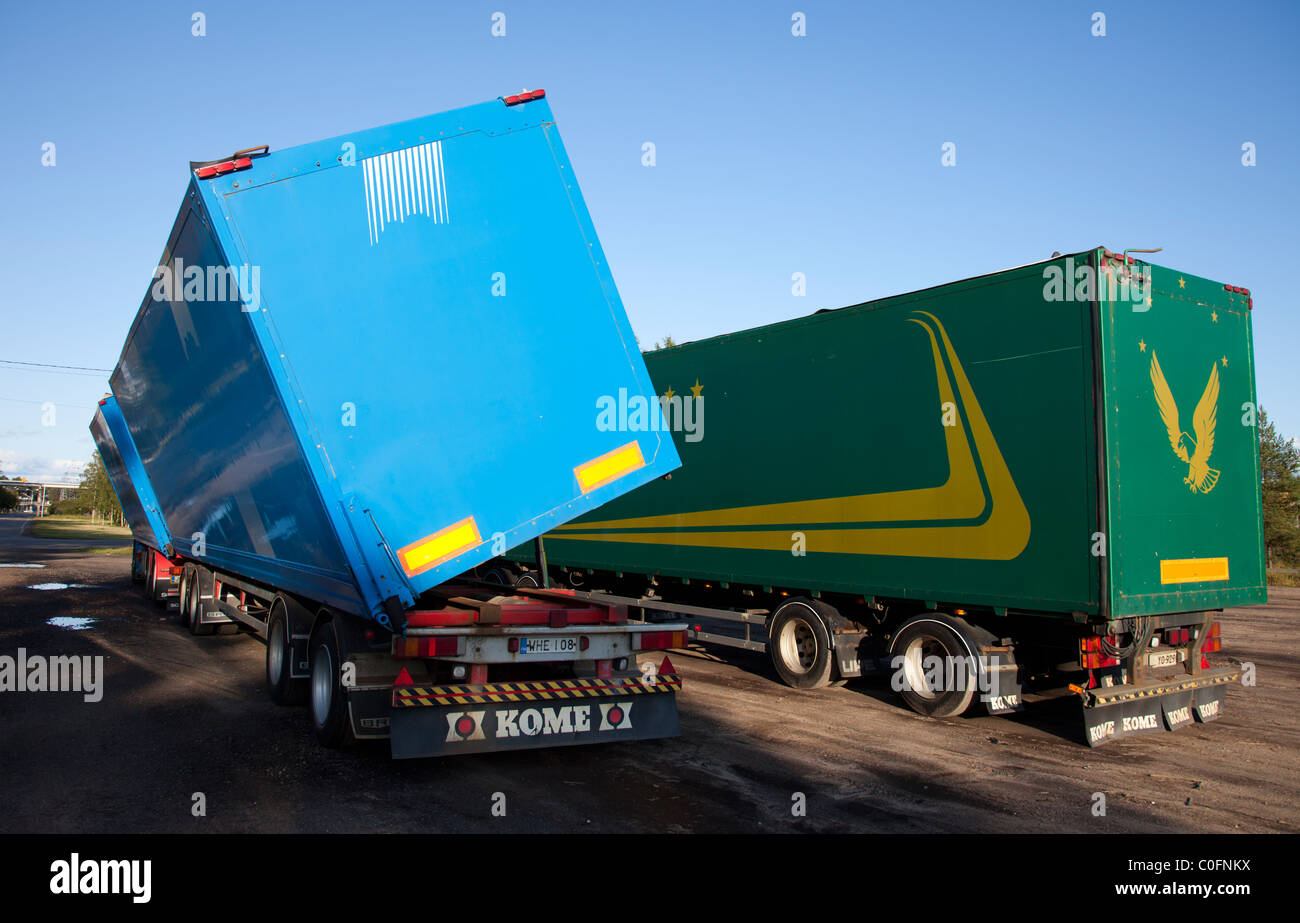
x: 529, y: 579
x: 200, y: 583
x: 499, y: 573
x: 283, y: 688
x: 327, y: 701
x: 799, y: 644
x: 183, y: 604
x: 151, y: 581
x: 919, y: 639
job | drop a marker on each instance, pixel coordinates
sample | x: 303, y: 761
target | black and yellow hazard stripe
x: 1101, y: 695
x: 534, y: 691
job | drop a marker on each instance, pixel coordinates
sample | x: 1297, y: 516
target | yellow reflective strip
x: 609, y: 467
x: 1193, y: 570
x: 432, y: 550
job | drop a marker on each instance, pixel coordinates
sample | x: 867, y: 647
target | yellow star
x: 1225, y: 362
x: 1182, y: 283
x: 1148, y: 300
x: 669, y: 393
x: 697, y: 388
x: 1142, y: 346
x: 1214, y: 316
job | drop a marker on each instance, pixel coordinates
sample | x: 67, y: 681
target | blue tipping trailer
x: 150, y: 562
x: 368, y: 365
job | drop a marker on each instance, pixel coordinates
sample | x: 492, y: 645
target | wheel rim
x: 322, y: 685
x: 798, y: 645
x: 914, y: 657
x: 275, y: 654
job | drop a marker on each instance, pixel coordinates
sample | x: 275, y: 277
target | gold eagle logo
x: 1201, y: 478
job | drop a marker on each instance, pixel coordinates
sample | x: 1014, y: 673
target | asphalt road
x: 183, y: 715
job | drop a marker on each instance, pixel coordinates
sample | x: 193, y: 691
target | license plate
x: 1162, y: 658
x: 530, y: 646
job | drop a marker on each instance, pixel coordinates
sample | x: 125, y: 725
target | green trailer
x: 1041, y: 478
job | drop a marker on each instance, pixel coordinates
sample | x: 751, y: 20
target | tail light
x: 1212, y: 640
x: 659, y: 640
x: 441, y: 646
x: 1091, y: 656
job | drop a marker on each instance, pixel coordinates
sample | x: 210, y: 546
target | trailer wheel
x: 280, y: 682
x: 329, y: 703
x: 501, y: 574
x: 800, y: 644
x: 183, y: 601
x: 200, y: 580
x: 529, y: 579
x: 151, y: 581
x: 951, y: 691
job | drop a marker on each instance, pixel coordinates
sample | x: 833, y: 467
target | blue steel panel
x: 194, y: 389
x: 432, y: 328
x: 129, y: 479
x: 132, y: 508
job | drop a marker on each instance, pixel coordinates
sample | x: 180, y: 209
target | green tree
x: 97, y: 491
x: 8, y: 500
x: 1279, y: 461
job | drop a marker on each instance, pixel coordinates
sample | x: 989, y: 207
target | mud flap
x: 481, y: 728
x: 1112, y: 712
x: 848, y: 663
x: 1104, y: 723
x: 1208, y: 703
x: 1177, y: 708
x: 1000, y: 681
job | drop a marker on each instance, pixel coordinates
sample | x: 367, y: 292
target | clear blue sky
x: 775, y: 154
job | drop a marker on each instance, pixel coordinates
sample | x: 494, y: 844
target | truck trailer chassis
x: 361, y: 682
x: 995, y: 488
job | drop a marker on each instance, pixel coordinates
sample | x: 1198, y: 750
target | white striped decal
x: 407, y: 182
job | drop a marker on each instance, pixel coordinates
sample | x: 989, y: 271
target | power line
x: 19, y: 400
x: 46, y: 365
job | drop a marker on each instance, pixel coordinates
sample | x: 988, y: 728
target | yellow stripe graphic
x: 1002, y: 536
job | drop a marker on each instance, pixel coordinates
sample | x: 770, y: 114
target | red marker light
x: 524, y: 97
x: 226, y: 166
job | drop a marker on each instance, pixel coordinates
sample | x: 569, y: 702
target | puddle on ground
x: 58, y: 586
x: 73, y: 622
x: 22, y: 565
